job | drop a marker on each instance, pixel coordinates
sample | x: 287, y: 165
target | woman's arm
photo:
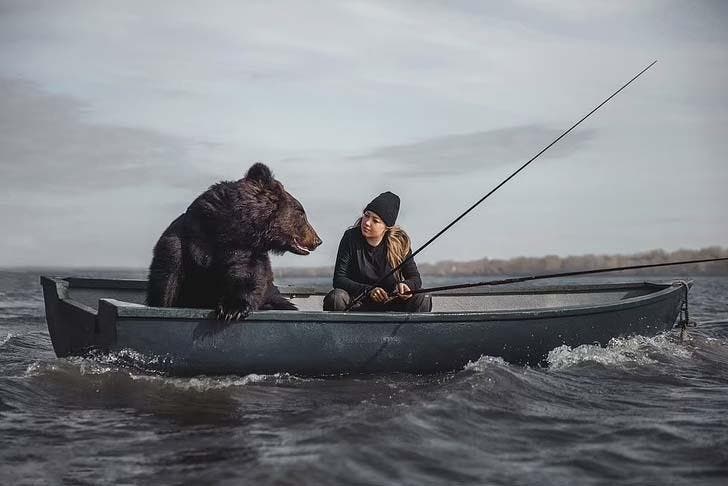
x: 411, y: 274
x: 345, y: 259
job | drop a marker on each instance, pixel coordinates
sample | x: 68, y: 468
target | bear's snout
x: 316, y: 242
x: 305, y: 241
x: 311, y: 239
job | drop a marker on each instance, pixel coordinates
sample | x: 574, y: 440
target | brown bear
x: 215, y: 255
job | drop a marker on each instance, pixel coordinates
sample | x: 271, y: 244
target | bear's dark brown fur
x: 215, y: 255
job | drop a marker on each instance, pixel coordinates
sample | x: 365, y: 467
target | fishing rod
x: 476, y: 204
x: 558, y: 275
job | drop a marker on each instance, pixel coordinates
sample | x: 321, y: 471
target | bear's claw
x: 233, y: 314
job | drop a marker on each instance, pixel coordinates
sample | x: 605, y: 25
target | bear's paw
x: 239, y: 312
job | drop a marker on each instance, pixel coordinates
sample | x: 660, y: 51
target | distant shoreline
x: 510, y: 266
x: 555, y: 264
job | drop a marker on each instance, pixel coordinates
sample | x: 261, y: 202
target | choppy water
x: 641, y: 411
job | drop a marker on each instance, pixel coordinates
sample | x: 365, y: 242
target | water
x: 641, y: 411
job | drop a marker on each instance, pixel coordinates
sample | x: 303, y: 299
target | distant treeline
x: 557, y: 264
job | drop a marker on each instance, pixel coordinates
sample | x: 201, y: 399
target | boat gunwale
x: 308, y: 291
x: 132, y: 311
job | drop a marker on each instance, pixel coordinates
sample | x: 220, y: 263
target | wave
x: 205, y: 383
x: 619, y: 352
x: 485, y: 363
x: 27, y: 341
x: 23, y: 303
x: 115, y: 366
x: 18, y: 309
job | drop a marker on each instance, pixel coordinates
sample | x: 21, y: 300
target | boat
x: 518, y: 324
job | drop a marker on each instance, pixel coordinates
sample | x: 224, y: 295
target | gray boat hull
x: 522, y: 328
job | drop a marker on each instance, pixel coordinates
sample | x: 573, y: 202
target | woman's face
x: 372, y: 226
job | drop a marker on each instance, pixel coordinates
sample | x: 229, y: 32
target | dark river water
x: 641, y: 411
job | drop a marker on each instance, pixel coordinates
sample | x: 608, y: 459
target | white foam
x: 484, y: 363
x: 204, y: 383
x: 7, y: 338
x: 83, y: 365
x: 129, y: 355
x: 636, y: 350
x: 92, y: 367
x: 33, y: 369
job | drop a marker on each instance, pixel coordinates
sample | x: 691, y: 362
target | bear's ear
x: 260, y: 173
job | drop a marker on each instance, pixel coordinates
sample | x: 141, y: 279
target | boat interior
x: 88, y: 291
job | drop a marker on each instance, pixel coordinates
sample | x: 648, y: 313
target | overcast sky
x: 114, y: 116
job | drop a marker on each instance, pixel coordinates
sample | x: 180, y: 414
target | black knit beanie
x: 386, y: 205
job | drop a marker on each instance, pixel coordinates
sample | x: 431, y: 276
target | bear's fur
x: 215, y: 255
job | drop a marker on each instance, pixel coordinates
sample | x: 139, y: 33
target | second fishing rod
x: 354, y: 302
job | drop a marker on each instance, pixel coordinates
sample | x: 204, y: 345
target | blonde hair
x: 398, y: 246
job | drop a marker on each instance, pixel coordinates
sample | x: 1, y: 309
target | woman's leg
x: 417, y: 303
x: 336, y: 300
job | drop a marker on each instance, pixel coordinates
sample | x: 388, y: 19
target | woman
x: 370, y: 250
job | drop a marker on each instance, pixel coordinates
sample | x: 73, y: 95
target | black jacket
x: 359, y: 265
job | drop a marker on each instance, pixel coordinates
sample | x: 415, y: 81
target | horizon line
x: 29, y: 267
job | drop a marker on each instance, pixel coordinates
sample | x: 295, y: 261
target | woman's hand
x: 378, y: 295
x: 402, y: 289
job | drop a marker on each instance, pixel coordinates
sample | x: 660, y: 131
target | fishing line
x: 557, y: 275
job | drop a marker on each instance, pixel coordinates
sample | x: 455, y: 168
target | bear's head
x: 286, y: 225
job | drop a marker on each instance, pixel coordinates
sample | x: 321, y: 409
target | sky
x: 114, y: 116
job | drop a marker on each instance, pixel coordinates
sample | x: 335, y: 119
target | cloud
x: 73, y: 192
x: 593, y: 10
x: 456, y: 155
x: 47, y: 146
